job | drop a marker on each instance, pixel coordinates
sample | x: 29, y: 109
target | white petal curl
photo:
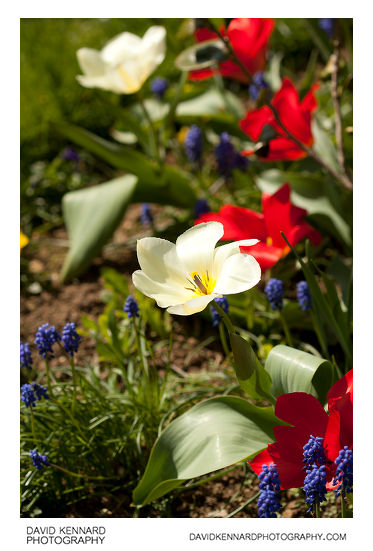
x: 239, y: 273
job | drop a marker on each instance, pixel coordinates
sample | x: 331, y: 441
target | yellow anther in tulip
x: 202, y: 284
x: 269, y: 241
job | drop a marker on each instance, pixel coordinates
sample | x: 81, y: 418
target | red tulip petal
x: 266, y: 255
x: 303, y: 411
x: 202, y: 74
x: 263, y: 458
x: 202, y: 34
x: 283, y: 149
x: 296, y: 118
x: 249, y: 38
x: 309, y: 102
x: 340, y: 388
x: 281, y: 215
x: 255, y: 120
x: 239, y: 223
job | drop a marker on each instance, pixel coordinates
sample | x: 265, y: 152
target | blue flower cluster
x: 159, y: 86
x: 146, y: 216
x: 32, y: 392
x: 201, y: 206
x: 227, y: 157
x: 315, y: 479
x: 193, y: 144
x: 223, y: 303
x: 327, y: 25
x: 258, y: 83
x: 38, y: 460
x: 270, y: 492
x: 304, y: 296
x: 69, y: 154
x: 315, y: 485
x: 275, y: 292
x: 45, y: 337
x: 344, y: 473
x: 313, y: 451
x: 25, y: 356
x: 131, y: 307
x: 70, y: 338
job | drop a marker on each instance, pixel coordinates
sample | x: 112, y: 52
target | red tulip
x: 279, y: 215
x: 308, y: 418
x: 249, y: 40
x: 295, y: 115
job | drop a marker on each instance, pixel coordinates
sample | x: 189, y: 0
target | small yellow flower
x: 181, y: 135
x: 24, y: 240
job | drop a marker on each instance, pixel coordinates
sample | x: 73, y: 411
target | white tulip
x: 186, y: 276
x: 125, y: 63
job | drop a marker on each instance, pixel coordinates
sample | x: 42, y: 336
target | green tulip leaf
x: 293, y: 370
x: 215, y: 107
x: 202, y: 55
x: 91, y: 216
x: 213, y: 434
x: 253, y: 378
x: 167, y: 185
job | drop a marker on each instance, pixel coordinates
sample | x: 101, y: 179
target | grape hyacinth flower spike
x: 159, y: 86
x: 304, y: 296
x: 193, y: 144
x: 223, y: 303
x: 270, y: 492
x: 38, y: 460
x: 275, y: 292
x: 45, y: 338
x: 32, y: 392
x: 146, y: 216
x: 131, y: 307
x: 70, y: 338
x: 25, y: 356
x: 344, y: 472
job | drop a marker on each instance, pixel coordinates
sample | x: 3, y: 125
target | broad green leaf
x: 202, y: 55
x: 213, y: 434
x: 91, y: 216
x: 166, y: 185
x: 273, y: 73
x: 293, y: 370
x: 208, y: 104
x: 309, y: 191
x: 323, y: 145
x: 253, y: 378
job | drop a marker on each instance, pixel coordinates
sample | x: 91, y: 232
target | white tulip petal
x: 192, y: 306
x: 164, y: 295
x: 90, y: 62
x: 239, y: 273
x: 225, y: 251
x: 121, y: 47
x: 158, y: 259
x: 154, y: 46
x: 195, y: 247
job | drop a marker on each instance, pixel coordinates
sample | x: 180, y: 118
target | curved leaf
x: 202, y: 55
x: 91, y: 216
x: 167, y: 185
x: 213, y: 434
x: 253, y: 378
x: 293, y: 370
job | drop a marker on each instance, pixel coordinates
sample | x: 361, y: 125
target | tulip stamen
x: 202, y: 285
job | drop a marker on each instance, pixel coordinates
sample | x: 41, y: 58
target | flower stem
x: 74, y: 374
x: 153, y: 134
x: 285, y: 326
x: 317, y: 508
x: 33, y: 426
x: 49, y: 386
x: 224, y: 340
x: 343, y: 505
x: 81, y: 475
x: 225, y: 317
